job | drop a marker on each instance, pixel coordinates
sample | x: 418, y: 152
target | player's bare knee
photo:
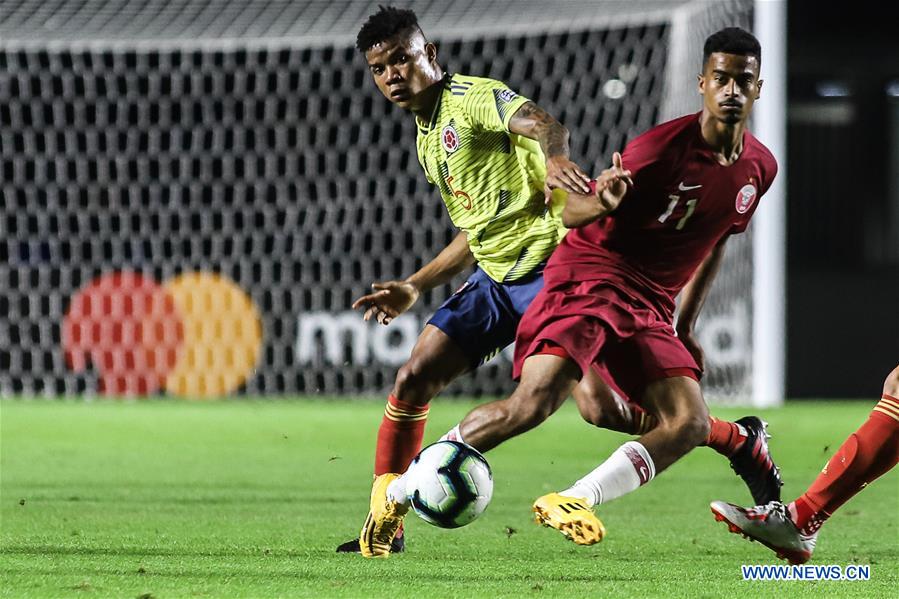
x: 598, y: 406
x: 607, y: 417
x: 891, y: 384
x: 589, y: 409
x: 412, y: 383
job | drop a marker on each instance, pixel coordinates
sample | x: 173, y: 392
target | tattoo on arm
x: 527, y: 110
x: 532, y: 121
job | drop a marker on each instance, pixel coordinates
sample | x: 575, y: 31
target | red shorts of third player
x: 600, y: 326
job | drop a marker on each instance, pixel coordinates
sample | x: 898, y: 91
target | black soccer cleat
x: 398, y: 545
x: 753, y: 462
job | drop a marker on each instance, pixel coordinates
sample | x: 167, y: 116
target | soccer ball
x: 449, y: 484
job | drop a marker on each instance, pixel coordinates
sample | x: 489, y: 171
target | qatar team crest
x: 745, y: 198
x: 450, y: 139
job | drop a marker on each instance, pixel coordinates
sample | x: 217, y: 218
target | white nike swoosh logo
x: 683, y: 187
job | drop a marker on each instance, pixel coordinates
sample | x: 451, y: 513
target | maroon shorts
x: 600, y: 326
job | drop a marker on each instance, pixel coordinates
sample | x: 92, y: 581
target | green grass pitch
x: 249, y: 499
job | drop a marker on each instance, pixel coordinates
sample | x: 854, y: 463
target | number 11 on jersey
x: 691, y: 206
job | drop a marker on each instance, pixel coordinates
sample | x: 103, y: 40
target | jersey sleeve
x: 741, y: 225
x: 639, y: 155
x: 490, y: 105
x: 769, y: 172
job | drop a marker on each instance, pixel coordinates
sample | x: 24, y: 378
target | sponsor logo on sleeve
x: 507, y: 95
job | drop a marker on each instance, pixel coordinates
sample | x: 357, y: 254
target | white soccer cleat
x: 770, y: 525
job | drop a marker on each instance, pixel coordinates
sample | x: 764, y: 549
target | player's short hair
x: 384, y: 24
x: 732, y: 40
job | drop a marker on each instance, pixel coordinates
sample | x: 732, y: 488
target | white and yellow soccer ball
x: 449, y: 484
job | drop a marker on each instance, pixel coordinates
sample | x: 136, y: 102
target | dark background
x: 843, y: 198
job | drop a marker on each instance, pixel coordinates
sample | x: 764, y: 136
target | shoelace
x: 763, y: 512
x: 782, y: 510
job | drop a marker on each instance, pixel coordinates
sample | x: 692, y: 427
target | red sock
x: 724, y: 437
x: 399, y: 437
x: 869, y: 452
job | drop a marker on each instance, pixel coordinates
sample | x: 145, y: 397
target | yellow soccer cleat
x: 383, y: 521
x: 570, y: 516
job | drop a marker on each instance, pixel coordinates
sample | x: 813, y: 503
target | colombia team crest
x: 745, y: 198
x: 450, y: 139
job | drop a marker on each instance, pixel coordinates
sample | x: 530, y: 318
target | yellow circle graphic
x: 222, y: 336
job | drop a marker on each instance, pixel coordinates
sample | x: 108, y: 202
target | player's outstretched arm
x: 611, y: 186
x: 391, y: 298
x: 533, y: 122
x: 693, y: 297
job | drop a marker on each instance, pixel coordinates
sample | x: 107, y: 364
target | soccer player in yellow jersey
x: 496, y: 157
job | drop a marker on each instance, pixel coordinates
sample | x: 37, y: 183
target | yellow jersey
x: 491, y: 180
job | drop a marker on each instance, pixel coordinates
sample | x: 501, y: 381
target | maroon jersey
x: 682, y: 203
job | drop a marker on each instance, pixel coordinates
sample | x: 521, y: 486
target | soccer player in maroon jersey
x: 791, y: 530
x: 608, y: 299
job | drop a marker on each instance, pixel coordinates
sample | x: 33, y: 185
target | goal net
x: 194, y: 192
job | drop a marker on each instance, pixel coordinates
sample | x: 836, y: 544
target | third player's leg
x: 683, y: 419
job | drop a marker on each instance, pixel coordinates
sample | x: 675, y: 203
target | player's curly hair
x: 385, y: 24
x: 732, y: 40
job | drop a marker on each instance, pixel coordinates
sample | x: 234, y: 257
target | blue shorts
x: 483, y: 315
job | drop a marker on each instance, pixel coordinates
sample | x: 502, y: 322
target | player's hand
x: 692, y: 345
x: 387, y: 300
x: 562, y: 173
x: 612, y: 183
